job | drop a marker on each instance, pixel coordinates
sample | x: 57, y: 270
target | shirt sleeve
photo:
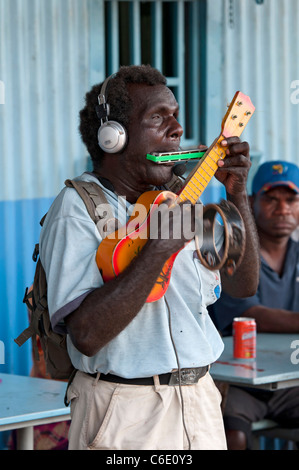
x: 227, y: 308
x: 69, y: 241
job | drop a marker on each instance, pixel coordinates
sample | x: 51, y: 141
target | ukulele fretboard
x: 202, y: 174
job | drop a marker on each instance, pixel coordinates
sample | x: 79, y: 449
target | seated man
x: 275, y: 204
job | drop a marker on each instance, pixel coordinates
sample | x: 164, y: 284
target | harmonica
x: 181, y: 155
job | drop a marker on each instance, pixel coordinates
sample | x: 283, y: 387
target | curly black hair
x: 119, y: 100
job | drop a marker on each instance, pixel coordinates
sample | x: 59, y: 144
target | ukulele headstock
x: 237, y: 116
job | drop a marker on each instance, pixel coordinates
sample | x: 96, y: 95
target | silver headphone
x: 112, y: 136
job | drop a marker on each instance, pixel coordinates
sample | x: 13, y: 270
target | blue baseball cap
x: 275, y: 173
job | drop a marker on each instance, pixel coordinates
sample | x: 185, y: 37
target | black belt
x: 183, y: 377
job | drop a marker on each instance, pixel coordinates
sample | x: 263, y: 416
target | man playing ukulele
x: 142, y: 380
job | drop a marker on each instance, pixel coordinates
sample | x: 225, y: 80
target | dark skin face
x: 277, y: 213
x: 153, y: 128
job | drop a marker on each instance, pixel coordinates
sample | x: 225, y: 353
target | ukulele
x: 118, y: 249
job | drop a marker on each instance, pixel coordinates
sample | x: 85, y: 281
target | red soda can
x: 244, y: 338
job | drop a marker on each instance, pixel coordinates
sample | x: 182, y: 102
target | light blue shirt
x: 148, y: 345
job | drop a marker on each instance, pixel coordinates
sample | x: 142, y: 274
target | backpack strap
x: 39, y: 285
x: 175, y: 184
x: 42, y: 219
x: 96, y: 204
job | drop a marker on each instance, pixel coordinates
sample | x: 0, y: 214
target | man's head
x: 275, y: 198
x: 273, y: 174
x: 119, y: 100
x: 142, y: 103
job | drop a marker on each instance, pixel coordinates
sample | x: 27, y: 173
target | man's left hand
x: 233, y: 170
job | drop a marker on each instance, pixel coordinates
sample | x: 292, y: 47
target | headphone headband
x: 104, y: 86
x: 103, y: 110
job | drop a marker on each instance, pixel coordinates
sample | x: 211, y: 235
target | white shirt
x: 68, y: 245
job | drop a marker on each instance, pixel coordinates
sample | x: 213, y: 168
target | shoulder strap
x: 175, y: 184
x: 96, y: 204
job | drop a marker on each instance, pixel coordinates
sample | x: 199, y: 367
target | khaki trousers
x: 109, y: 416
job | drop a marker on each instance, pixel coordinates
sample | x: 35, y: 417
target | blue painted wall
x: 46, y: 65
x: 21, y: 222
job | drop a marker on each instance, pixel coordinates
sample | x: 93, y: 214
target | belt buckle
x: 188, y: 376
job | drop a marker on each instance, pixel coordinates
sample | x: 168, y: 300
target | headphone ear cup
x: 112, y: 137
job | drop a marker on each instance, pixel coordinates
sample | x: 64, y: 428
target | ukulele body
x: 118, y: 249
